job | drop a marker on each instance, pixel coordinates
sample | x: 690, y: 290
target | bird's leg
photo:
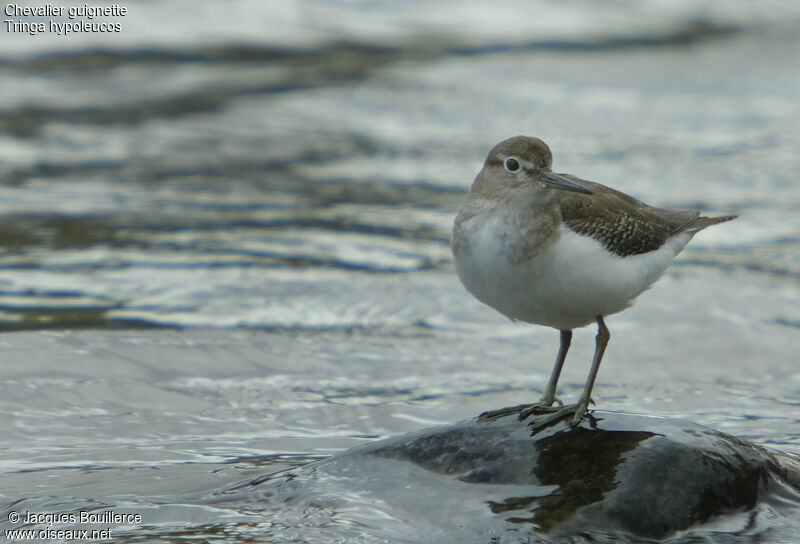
x: 579, y: 409
x: 549, y: 396
x: 545, y: 404
x: 601, y: 341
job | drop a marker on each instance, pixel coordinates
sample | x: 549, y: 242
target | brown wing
x: 624, y: 225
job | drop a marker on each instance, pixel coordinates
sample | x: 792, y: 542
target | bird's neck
x: 520, y: 219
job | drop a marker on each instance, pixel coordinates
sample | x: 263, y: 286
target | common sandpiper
x: 556, y: 250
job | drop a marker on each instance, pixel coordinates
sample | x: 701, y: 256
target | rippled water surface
x: 224, y: 237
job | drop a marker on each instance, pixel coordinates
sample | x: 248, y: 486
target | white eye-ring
x: 511, y: 164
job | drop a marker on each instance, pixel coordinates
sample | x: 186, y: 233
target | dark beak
x: 557, y: 181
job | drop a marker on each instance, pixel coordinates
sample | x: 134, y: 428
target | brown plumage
x: 624, y: 225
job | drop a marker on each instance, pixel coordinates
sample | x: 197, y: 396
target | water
x: 225, y: 236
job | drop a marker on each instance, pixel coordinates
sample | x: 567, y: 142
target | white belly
x: 572, y: 282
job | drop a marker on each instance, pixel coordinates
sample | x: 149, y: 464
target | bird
x: 559, y: 251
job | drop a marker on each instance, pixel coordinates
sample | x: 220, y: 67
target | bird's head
x: 522, y: 162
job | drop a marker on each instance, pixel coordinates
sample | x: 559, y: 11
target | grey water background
x: 224, y: 240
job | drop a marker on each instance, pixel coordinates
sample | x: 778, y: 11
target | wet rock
x: 617, y: 476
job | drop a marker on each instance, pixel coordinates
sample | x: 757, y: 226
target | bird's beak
x: 557, y: 181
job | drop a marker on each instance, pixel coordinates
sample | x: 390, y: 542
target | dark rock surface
x: 617, y: 476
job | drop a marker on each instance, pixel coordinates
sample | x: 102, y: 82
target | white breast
x: 568, y: 285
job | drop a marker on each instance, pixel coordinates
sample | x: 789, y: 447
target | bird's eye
x: 511, y: 164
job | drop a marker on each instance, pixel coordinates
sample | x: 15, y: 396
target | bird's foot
x: 524, y: 410
x: 541, y: 407
x: 577, y: 411
x: 491, y: 414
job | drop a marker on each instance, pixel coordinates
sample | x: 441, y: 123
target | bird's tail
x: 702, y: 222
